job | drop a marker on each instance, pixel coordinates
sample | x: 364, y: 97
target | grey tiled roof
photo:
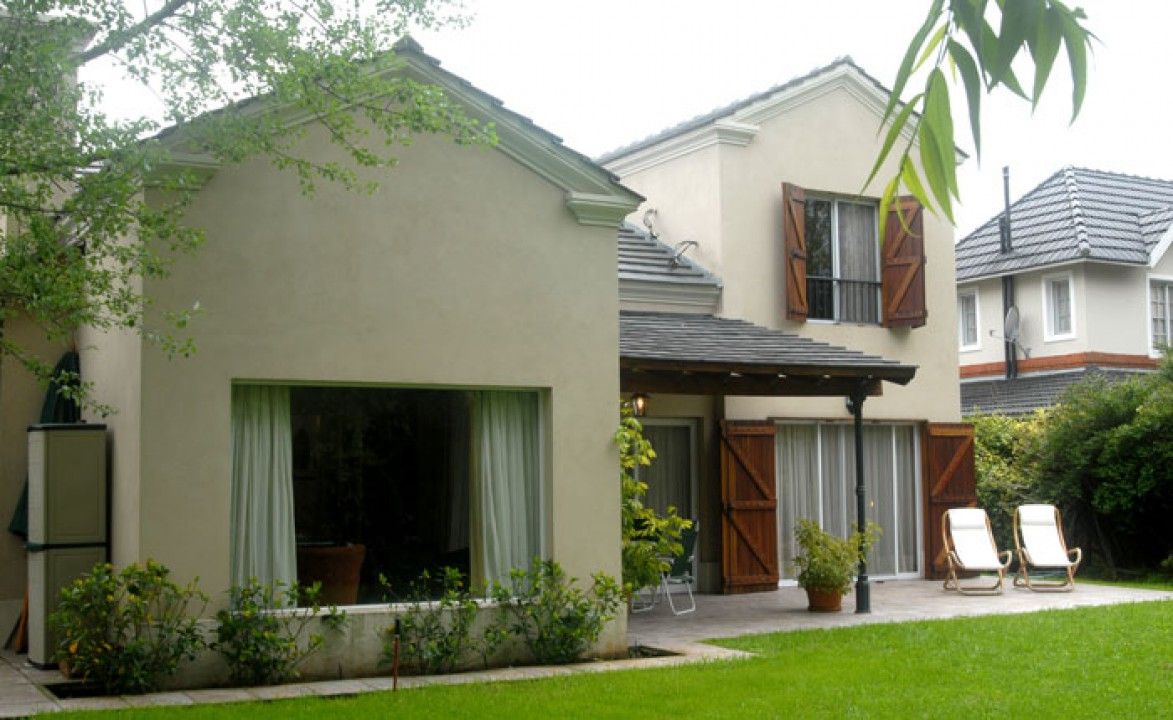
x: 707, y: 339
x: 726, y: 110
x: 1025, y: 394
x: 643, y: 257
x: 1115, y: 217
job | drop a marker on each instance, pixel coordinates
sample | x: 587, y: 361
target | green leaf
x: 1077, y: 39
x: 973, y: 90
x: 1017, y: 21
x: 912, y: 181
x: 935, y: 170
x: 1048, y: 37
x: 905, y: 71
x: 968, y: 16
x: 939, y: 117
x: 894, y: 131
x: 932, y: 45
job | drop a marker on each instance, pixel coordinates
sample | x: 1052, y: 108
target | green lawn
x: 1095, y: 662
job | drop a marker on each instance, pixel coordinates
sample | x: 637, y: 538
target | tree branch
x: 117, y: 39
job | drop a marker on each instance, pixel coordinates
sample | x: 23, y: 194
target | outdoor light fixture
x: 639, y: 404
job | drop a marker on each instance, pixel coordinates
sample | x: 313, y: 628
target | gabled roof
x: 593, y: 193
x: 1075, y: 215
x: 645, y: 258
x: 732, y: 118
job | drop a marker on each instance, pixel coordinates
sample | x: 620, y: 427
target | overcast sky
x: 606, y: 72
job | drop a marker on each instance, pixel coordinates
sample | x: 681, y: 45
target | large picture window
x: 842, y: 260
x: 346, y: 485
x: 816, y: 481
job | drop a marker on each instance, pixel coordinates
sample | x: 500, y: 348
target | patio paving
x: 892, y: 601
x: 22, y: 690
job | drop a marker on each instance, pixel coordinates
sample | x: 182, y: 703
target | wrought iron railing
x: 846, y: 300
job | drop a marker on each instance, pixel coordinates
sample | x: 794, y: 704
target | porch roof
x: 705, y: 354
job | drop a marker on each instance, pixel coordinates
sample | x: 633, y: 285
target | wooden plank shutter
x: 749, y: 521
x: 949, y: 478
x: 794, y: 249
x: 903, y: 276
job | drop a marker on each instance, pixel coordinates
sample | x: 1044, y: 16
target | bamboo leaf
x: 940, y: 119
x: 935, y: 172
x: 912, y: 181
x: 905, y: 71
x: 894, y: 131
x: 973, y: 90
x: 886, y: 201
x: 1077, y: 40
x: 968, y: 15
x: 1048, y: 37
x: 934, y: 42
x: 1017, y: 17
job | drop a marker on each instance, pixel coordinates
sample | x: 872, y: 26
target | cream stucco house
x: 429, y: 375
x: 764, y: 199
x: 1084, y: 264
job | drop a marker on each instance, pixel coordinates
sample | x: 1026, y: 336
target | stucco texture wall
x: 464, y: 270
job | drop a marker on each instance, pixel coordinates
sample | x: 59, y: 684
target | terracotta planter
x: 337, y: 567
x: 823, y: 600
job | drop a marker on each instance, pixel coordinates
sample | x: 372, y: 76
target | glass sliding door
x: 671, y: 477
x: 816, y: 480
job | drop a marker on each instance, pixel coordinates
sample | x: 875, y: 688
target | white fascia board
x: 1161, y: 247
x: 1049, y: 266
x: 720, y: 132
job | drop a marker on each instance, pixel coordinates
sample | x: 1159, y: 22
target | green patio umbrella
x: 57, y: 408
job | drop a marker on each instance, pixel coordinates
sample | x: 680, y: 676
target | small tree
x: 647, y: 536
x: 1007, y: 474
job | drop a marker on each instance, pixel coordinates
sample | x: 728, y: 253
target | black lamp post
x: 863, y: 594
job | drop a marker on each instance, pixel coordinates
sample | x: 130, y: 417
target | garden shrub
x: 127, y: 630
x: 436, y: 634
x: 264, y: 635
x: 557, y: 620
x: 647, y: 537
x: 1004, y: 455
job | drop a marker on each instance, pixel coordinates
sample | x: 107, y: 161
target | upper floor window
x: 842, y: 260
x: 1058, y: 309
x: 967, y: 320
x: 1160, y: 302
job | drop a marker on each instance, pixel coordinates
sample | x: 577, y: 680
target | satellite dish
x: 1010, y: 326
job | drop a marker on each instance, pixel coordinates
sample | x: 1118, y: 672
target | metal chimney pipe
x: 1004, y: 221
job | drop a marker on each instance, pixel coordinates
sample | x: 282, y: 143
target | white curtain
x: 263, y: 543
x: 797, y: 460
x: 879, y: 485
x: 906, y: 491
x: 506, y: 473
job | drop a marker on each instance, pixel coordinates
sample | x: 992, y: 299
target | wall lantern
x: 639, y: 404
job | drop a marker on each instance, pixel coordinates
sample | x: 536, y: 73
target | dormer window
x: 842, y: 260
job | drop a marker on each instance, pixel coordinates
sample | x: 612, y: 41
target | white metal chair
x: 1042, y: 547
x: 680, y: 573
x: 970, y: 547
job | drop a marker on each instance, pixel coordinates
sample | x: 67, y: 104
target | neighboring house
x: 1087, y: 270
x: 762, y: 205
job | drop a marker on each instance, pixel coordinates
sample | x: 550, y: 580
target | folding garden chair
x: 680, y: 573
x: 970, y: 547
x: 1042, y: 547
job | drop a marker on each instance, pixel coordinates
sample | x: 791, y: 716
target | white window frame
x: 977, y: 321
x: 1048, y: 333
x: 835, y: 200
x: 1163, y: 280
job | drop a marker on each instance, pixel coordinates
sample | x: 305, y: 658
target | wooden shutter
x: 904, y: 265
x: 949, y: 481
x: 794, y: 248
x: 749, y: 521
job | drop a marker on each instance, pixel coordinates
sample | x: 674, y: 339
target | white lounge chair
x: 1042, y: 547
x: 970, y: 547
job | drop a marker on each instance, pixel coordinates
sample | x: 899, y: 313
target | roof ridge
x: 1113, y: 173
x: 1075, y: 207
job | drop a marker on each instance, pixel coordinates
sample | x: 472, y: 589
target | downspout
x: 863, y: 595
x: 1007, y: 246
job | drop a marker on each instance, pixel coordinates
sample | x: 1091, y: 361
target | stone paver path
x: 22, y: 690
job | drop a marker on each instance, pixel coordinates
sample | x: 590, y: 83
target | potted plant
x: 826, y: 564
